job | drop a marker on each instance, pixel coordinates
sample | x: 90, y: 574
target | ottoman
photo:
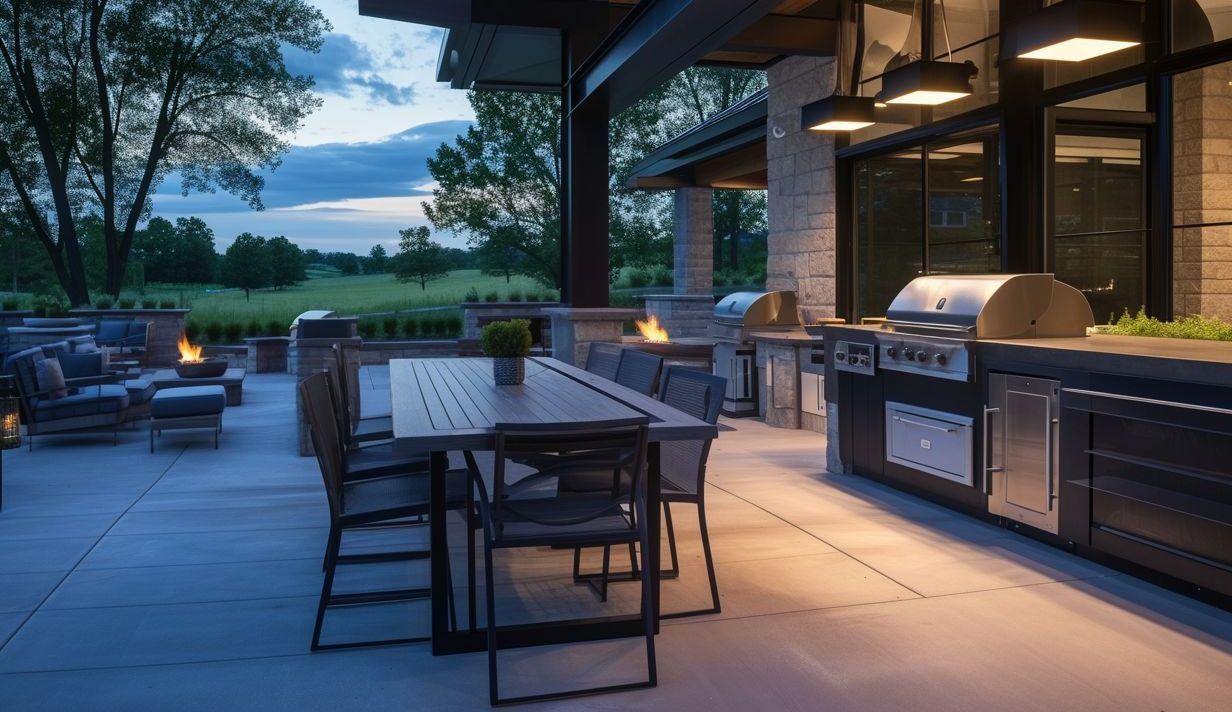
x: 187, y: 408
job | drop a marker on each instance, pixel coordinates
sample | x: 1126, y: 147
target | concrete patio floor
x: 187, y: 579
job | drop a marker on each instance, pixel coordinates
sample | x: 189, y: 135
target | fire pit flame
x: 188, y: 352
x: 652, y: 330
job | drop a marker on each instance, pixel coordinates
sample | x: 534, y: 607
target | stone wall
x: 801, y: 244
x: 1202, y: 185
x: 683, y: 315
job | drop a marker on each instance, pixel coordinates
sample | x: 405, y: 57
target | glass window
x: 891, y: 35
x: 1130, y: 98
x: 959, y: 23
x: 1200, y: 22
x: 964, y: 211
x: 888, y: 226
x: 1099, y: 220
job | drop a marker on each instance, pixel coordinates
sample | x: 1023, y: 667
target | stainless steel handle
x: 1051, y: 488
x: 988, y: 469
x: 924, y: 425
x: 1152, y: 401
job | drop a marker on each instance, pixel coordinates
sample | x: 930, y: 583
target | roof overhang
x: 726, y: 151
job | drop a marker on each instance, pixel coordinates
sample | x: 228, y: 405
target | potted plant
x: 507, y: 343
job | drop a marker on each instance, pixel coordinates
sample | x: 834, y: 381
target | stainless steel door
x: 1021, y: 475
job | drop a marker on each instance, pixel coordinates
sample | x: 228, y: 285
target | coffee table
x: 232, y: 380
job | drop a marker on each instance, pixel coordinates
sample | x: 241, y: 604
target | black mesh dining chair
x: 639, y: 370
x: 522, y: 514
x: 393, y: 501
x: 360, y: 428
x: 371, y: 459
x: 603, y: 359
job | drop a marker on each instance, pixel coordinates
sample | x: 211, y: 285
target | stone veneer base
x: 574, y: 329
x: 683, y: 315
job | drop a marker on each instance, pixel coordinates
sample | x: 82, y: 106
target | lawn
x: 360, y: 294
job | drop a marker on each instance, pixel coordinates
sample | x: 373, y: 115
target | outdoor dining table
x: 448, y: 404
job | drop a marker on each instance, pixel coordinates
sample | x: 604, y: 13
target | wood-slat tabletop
x: 452, y: 403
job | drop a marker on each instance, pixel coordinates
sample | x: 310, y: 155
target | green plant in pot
x: 507, y: 343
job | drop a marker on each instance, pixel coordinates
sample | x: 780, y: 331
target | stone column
x: 688, y: 310
x: 574, y: 329
x: 309, y: 356
x: 1202, y: 162
x: 801, y: 202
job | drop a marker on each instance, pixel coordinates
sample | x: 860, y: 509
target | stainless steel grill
x: 736, y: 316
x: 931, y: 321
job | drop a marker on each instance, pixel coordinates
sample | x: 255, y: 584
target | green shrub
x: 102, y: 303
x: 149, y: 303
x: 514, y: 295
x: 167, y: 304
x: 454, y: 326
x: 252, y: 329
x: 638, y: 278
x: 390, y: 327
x: 719, y: 279
x: 472, y: 295
x: 11, y: 304
x: 213, y: 332
x: 491, y: 297
x: 531, y: 295
x: 127, y: 303
x: 1189, y: 327
x: 410, y: 327
x: 621, y: 300
x: 275, y: 328
x: 234, y: 331
x: 506, y: 338
x: 191, y: 330
x: 367, y: 328
x: 662, y: 277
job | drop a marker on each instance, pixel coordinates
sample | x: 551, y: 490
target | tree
x: 419, y: 259
x: 499, y: 257
x: 286, y: 262
x: 196, y: 256
x: 378, y: 260
x: 246, y: 264
x: 101, y: 99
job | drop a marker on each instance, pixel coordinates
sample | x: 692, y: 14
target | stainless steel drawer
x: 930, y: 441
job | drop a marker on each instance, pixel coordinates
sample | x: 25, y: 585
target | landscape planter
x: 509, y: 371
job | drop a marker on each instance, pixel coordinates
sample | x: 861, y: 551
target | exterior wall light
x: 927, y: 83
x: 1076, y: 30
x: 838, y: 113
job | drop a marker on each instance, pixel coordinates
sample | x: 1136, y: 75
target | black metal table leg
x: 653, y: 496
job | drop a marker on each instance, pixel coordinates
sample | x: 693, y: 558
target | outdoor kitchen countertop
x: 795, y: 337
x: 1149, y: 357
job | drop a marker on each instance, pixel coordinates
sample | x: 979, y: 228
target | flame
x: 188, y: 352
x: 652, y: 331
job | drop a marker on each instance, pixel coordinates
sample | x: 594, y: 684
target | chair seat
x: 383, y: 461
x: 372, y: 429
x: 522, y: 522
x: 399, y: 496
x: 90, y: 400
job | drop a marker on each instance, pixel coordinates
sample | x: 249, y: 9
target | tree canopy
x: 419, y: 259
x: 287, y: 265
x: 378, y: 260
x: 100, y: 100
x: 246, y: 264
x: 183, y: 252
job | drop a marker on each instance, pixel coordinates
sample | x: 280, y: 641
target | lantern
x: 10, y: 423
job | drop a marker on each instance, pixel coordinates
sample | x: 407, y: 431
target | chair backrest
x: 639, y: 371
x: 585, y: 447
x: 346, y: 389
x: 323, y: 427
x: 603, y: 359
x: 112, y: 331
x: 23, y: 366
x: 699, y: 394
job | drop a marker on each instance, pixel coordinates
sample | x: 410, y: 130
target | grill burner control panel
x: 937, y: 357
x: 856, y: 358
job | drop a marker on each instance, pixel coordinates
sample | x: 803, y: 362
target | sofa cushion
x: 82, y: 344
x: 91, y: 400
x: 55, y: 348
x: 110, y: 330
x: 188, y: 401
x: 82, y: 365
x: 51, y: 378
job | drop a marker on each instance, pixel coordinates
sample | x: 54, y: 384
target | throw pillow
x: 51, y: 378
x: 81, y: 365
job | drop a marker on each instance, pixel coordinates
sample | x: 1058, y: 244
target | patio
x: 188, y: 579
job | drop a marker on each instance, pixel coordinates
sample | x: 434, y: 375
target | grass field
x: 360, y: 294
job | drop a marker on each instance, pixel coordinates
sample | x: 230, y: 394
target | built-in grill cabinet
x: 736, y: 316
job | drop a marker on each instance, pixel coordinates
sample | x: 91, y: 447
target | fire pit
x: 693, y: 353
x: 193, y: 365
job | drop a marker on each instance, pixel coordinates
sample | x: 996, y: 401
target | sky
x: 356, y: 171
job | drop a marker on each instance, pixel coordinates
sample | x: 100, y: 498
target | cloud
x: 343, y: 67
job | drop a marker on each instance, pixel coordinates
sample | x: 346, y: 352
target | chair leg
x: 490, y: 601
x: 671, y: 540
x: 470, y: 566
x: 607, y: 560
x: 714, y: 583
x: 327, y: 587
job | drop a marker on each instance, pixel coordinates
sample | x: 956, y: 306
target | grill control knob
x: 861, y: 360
x: 940, y: 358
x: 840, y: 356
x: 908, y: 354
x: 892, y: 352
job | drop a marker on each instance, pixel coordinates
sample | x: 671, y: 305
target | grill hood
x: 757, y: 309
x: 990, y: 306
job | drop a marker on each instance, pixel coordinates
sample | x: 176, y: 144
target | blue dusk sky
x: 356, y: 171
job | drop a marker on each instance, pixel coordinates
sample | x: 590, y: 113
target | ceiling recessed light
x: 1076, y: 30
x: 927, y: 83
x: 838, y: 113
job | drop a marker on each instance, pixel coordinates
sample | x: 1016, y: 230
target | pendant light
x: 839, y: 112
x: 927, y: 82
x: 1077, y: 30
